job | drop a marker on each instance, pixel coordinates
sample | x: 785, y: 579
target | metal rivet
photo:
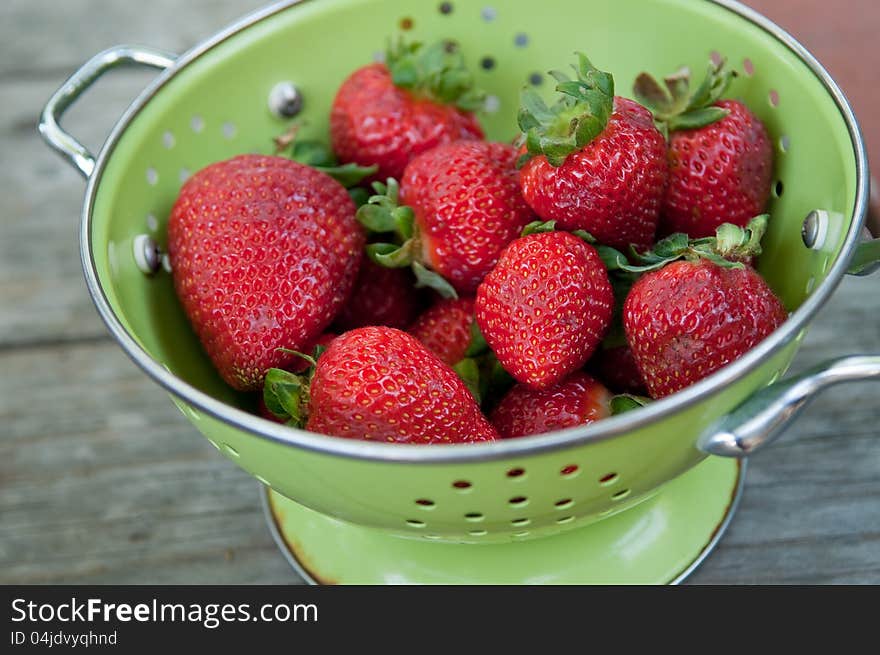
x: 147, y: 254
x: 285, y: 100
x: 815, y: 229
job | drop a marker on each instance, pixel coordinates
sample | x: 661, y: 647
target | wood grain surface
x: 102, y: 480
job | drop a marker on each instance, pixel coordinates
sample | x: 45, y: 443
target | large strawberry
x: 264, y: 252
x: 459, y: 206
x: 381, y: 296
x: 387, y: 113
x: 545, y: 307
x: 720, y: 155
x: 380, y: 384
x: 689, y: 317
x: 577, y: 400
x: 593, y: 161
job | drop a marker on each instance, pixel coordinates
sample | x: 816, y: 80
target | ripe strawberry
x: 386, y: 114
x: 264, y: 252
x: 688, y: 318
x: 460, y: 205
x: 545, y: 307
x: 720, y: 155
x: 445, y: 328
x: 577, y: 400
x: 381, y: 384
x: 593, y: 161
x: 381, y: 296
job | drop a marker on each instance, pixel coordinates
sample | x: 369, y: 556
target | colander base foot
x: 659, y: 541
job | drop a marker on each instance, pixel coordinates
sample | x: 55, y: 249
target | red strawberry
x: 689, y: 318
x: 617, y: 368
x: 381, y: 296
x: 386, y: 114
x: 545, y: 307
x: 720, y: 155
x: 381, y: 384
x: 577, y: 400
x: 264, y: 252
x: 595, y: 161
x: 445, y: 328
x: 460, y: 206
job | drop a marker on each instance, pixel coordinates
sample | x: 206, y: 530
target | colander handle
x: 63, y: 142
x: 762, y: 418
x: 866, y: 258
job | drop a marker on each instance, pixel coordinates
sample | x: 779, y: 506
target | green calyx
x: 286, y: 394
x: 319, y: 156
x: 435, y: 71
x: 540, y: 227
x: 481, y: 371
x: 675, y: 106
x: 728, y: 248
x: 383, y: 215
x: 626, y: 402
x: 578, y: 117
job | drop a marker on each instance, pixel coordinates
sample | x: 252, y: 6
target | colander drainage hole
x: 518, y: 501
x: 168, y: 140
x: 197, y: 123
x: 520, y: 523
x: 773, y: 97
x: 620, y: 495
x: 152, y: 176
x: 415, y: 523
x: 478, y: 533
x: 462, y: 485
x: 778, y: 189
x: 520, y: 535
x: 473, y: 517
x: 425, y: 503
x: 516, y: 473
x: 569, y: 471
x: 565, y: 503
x: 716, y: 57
x: 748, y: 67
x: 565, y: 519
x: 446, y: 8
x: 608, y: 479
x: 784, y: 143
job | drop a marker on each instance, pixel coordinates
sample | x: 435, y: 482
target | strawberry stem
x: 675, y: 106
x: 727, y: 248
x: 436, y: 71
x: 384, y: 215
x: 578, y: 117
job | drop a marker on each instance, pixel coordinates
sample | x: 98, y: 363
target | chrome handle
x: 50, y: 128
x: 761, y: 418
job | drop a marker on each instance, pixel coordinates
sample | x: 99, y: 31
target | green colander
x: 641, y: 497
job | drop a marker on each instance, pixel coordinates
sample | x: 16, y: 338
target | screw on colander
x: 285, y: 100
x: 148, y: 255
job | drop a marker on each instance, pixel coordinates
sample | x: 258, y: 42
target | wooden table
x: 103, y: 481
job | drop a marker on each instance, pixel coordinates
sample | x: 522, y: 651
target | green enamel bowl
x: 636, y: 498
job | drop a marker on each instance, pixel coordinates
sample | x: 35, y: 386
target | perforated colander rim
x: 618, y: 426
